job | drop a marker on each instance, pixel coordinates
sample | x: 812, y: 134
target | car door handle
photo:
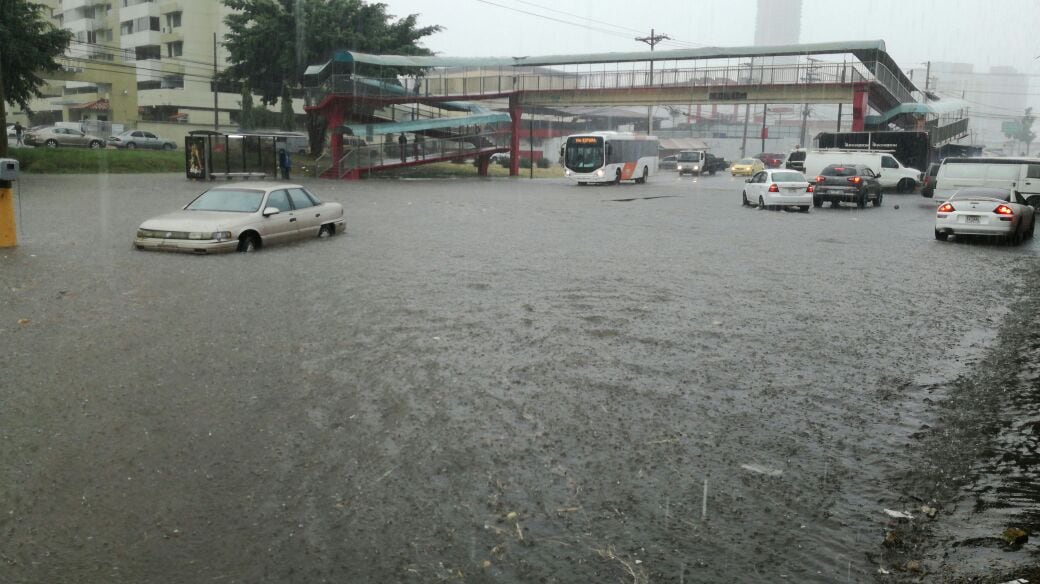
x: 317, y: 214
x: 291, y: 219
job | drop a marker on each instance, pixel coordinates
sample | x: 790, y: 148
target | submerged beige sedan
x: 242, y: 217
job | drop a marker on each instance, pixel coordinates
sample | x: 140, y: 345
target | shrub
x: 543, y: 163
x: 525, y: 163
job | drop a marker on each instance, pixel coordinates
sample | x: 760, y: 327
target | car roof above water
x: 257, y: 186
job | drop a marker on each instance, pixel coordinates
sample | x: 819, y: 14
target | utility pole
x: 651, y: 40
x: 743, y: 142
x: 810, y: 77
x: 765, y: 107
x: 927, y: 75
x: 216, y: 117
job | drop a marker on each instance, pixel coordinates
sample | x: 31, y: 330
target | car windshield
x: 788, y: 177
x: 569, y: 327
x: 232, y: 200
x: 840, y: 171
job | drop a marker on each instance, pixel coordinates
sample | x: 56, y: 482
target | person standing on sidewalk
x: 18, y: 133
x: 284, y: 162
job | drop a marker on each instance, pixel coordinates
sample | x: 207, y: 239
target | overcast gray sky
x: 983, y: 32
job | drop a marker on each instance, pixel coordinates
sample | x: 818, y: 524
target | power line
x: 617, y: 26
x: 567, y: 22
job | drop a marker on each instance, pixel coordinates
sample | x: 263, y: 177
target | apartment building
x: 162, y: 50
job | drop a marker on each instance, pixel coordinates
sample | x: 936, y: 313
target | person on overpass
x: 402, y: 142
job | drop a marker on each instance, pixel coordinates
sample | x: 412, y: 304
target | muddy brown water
x: 507, y: 381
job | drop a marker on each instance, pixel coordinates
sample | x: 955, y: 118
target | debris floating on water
x: 762, y: 470
x: 898, y: 514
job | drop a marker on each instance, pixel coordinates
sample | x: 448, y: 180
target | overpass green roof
x: 854, y: 47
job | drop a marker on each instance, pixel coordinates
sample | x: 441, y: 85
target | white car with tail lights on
x: 986, y: 211
x: 242, y: 217
x: 778, y: 188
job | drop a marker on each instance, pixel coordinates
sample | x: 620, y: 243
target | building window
x: 173, y: 82
x: 173, y: 20
x: 145, y: 52
x: 126, y: 27
x: 175, y: 49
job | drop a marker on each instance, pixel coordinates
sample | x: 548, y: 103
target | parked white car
x: 778, y: 188
x: 890, y: 172
x: 132, y: 139
x: 986, y: 211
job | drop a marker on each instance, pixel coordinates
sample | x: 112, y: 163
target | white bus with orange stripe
x: 609, y: 157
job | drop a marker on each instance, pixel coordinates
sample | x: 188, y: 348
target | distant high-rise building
x: 778, y: 22
x: 994, y: 97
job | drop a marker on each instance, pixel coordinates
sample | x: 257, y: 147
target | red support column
x: 515, y: 112
x: 483, y: 161
x: 859, y: 107
x: 333, y: 121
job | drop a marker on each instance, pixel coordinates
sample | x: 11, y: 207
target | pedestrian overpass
x: 355, y: 86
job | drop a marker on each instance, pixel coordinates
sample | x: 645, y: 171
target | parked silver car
x: 132, y: 139
x: 53, y: 137
x: 242, y: 217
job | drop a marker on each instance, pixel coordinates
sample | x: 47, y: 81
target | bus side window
x: 1033, y: 171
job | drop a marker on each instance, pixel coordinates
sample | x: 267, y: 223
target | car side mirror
x: 747, y: 180
x: 271, y: 211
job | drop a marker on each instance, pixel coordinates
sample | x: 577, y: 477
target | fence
x: 499, y: 82
x: 430, y: 149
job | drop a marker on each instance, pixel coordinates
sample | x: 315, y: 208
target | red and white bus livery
x: 609, y: 157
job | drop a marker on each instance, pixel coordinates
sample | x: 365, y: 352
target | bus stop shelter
x: 211, y: 155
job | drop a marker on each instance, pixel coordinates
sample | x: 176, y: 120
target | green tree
x: 271, y: 42
x: 288, y: 116
x: 29, y: 45
x: 1025, y: 129
x: 245, y: 119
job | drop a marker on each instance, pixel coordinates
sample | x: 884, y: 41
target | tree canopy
x: 29, y: 44
x: 271, y: 42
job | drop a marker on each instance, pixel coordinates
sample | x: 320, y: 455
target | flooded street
x: 509, y: 381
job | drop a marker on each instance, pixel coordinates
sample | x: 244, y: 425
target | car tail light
x: 1003, y: 210
x: 946, y: 208
x: 773, y: 188
x: 855, y: 180
x: 820, y: 179
x: 809, y: 189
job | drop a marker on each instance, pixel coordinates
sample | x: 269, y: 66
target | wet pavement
x: 506, y: 381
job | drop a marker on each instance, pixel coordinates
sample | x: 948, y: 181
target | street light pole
x: 651, y: 40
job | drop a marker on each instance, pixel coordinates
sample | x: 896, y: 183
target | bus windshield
x: 584, y: 153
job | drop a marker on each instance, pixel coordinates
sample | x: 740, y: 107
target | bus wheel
x: 646, y: 173
x: 617, y: 177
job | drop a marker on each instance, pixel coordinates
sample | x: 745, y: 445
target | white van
x: 891, y: 173
x: 1016, y: 174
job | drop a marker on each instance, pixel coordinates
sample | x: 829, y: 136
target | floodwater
x: 498, y: 381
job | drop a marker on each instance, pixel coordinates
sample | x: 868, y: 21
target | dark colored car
x: 771, y: 159
x: 668, y: 163
x: 796, y: 161
x: 847, y: 183
x: 928, y: 182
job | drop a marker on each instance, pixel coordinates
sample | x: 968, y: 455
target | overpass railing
x: 462, y: 145
x: 497, y: 82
